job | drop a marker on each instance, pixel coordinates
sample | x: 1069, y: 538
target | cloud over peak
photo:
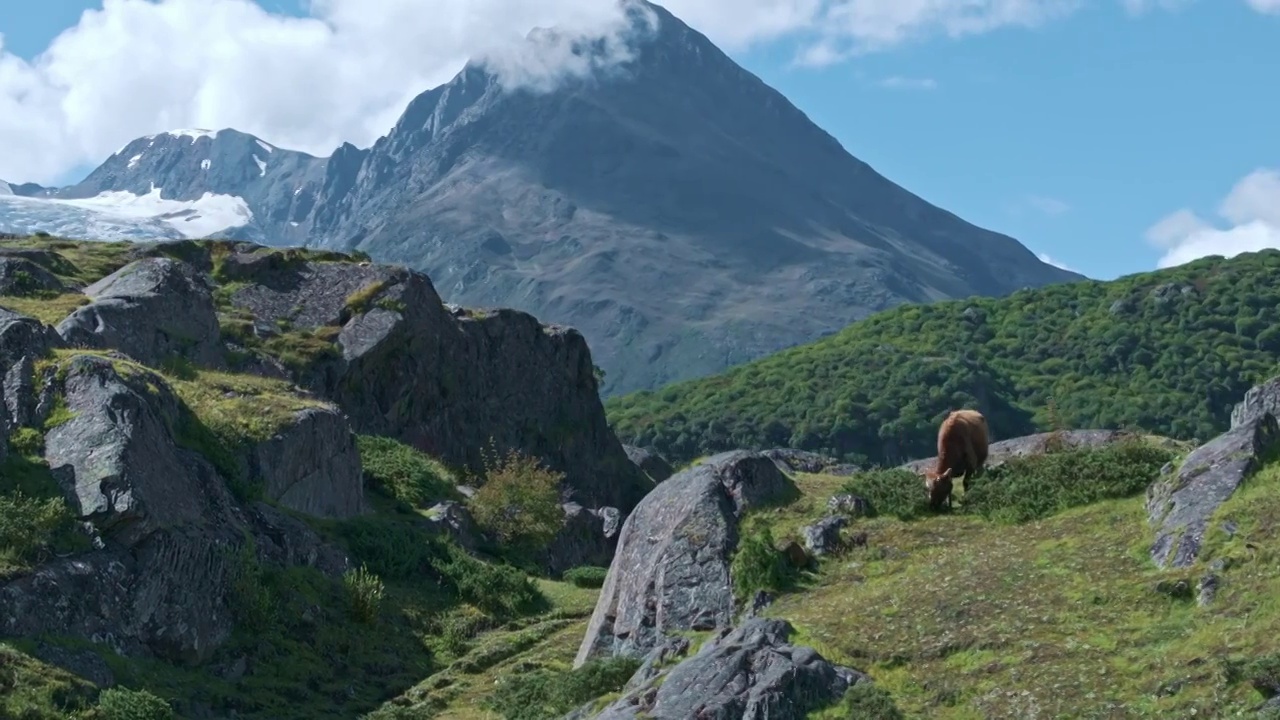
x: 1252, y: 210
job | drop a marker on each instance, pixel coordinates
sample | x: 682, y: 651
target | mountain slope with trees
x: 1171, y: 350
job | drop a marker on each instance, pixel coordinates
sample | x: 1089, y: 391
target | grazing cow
x: 962, y: 451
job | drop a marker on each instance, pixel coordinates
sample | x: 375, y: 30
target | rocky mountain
x: 678, y: 211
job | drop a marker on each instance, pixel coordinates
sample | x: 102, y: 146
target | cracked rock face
x: 152, y: 310
x: 671, y: 569
x: 750, y: 673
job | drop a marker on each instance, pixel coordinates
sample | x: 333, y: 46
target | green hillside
x: 1171, y: 350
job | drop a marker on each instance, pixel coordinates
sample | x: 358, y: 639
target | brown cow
x: 962, y: 451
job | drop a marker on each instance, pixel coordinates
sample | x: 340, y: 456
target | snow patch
x: 5, y: 189
x: 294, y: 223
x: 133, y: 161
x: 262, y: 166
x: 191, y: 218
x: 195, y: 134
x: 265, y: 146
x: 297, y: 190
x: 205, y: 164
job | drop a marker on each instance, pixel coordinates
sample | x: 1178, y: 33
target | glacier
x: 122, y: 215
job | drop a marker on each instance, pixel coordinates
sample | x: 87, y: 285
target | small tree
x: 519, y: 502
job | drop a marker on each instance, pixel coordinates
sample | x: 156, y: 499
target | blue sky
x: 1074, y: 137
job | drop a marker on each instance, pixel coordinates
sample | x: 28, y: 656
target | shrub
x: 364, y: 593
x: 121, y: 703
x: 895, y: 493
x: 519, y: 502
x: 1035, y: 487
x: 757, y: 564
x: 547, y: 692
x: 401, y: 473
x: 586, y: 576
x: 251, y: 602
x: 28, y: 525
x: 866, y: 701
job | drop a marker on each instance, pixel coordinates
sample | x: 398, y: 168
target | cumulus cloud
x: 1251, y: 210
x: 347, y: 70
x: 1048, y: 260
x: 1267, y: 7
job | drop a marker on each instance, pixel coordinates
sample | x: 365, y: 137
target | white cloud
x: 1045, y: 258
x: 1253, y: 210
x: 1139, y: 7
x: 898, y: 82
x: 1048, y: 205
x: 346, y: 72
x: 1269, y: 7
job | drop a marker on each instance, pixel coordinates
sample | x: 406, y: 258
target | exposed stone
x: 1181, y: 505
x: 848, y: 504
x: 650, y: 462
x: 1258, y: 401
x: 750, y: 673
x: 823, y: 537
x: 454, y: 520
x: 588, y: 537
x: 795, y: 555
x: 671, y: 569
x: 152, y: 310
x: 800, y: 460
x: 20, y: 276
x: 21, y: 336
x: 312, y: 466
x: 1038, y: 444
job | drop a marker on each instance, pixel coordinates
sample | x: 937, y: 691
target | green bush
x: 757, y: 564
x: 403, y: 474
x: 1037, y: 486
x: 546, y: 693
x: 891, y: 493
x: 364, y: 593
x: 519, y: 502
x: 586, y: 576
x: 121, y: 703
x: 867, y: 701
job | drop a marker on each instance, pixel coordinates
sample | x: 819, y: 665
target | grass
x: 405, y: 476
x: 1053, y: 610
x: 76, y: 262
x: 35, y: 519
x: 50, y: 310
x: 33, y: 690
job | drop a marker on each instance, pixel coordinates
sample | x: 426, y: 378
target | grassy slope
x: 1109, y: 354
x: 1065, y: 616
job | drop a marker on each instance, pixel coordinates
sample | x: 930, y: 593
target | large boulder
x: 671, y: 569
x: 1258, y: 401
x: 446, y: 382
x: 312, y: 466
x: 21, y: 276
x: 152, y: 310
x: 1181, y: 504
x: 167, y: 533
x: 649, y: 462
x: 750, y: 673
x: 588, y: 537
x: 1038, y: 444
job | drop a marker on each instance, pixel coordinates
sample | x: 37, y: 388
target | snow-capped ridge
x: 5, y: 189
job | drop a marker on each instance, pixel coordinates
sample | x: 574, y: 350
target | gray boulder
x: 801, y: 460
x: 22, y: 336
x: 312, y: 466
x: 750, y: 673
x: 167, y: 532
x: 116, y: 459
x: 1038, y: 444
x: 454, y: 520
x: 823, y: 537
x: 151, y: 310
x: 1181, y: 504
x: 650, y: 462
x: 671, y: 569
x: 1258, y: 401
x: 588, y: 537
x: 21, y: 276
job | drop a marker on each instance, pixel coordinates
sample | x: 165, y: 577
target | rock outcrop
x: 168, y: 535
x: 589, y: 537
x: 1181, y: 503
x: 1258, y: 401
x: 1038, y: 444
x: 650, y: 462
x: 750, y: 673
x: 312, y: 466
x: 152, y: 310
x: 21, y: 276
x: 671, y: 569
x: 445, y: 381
